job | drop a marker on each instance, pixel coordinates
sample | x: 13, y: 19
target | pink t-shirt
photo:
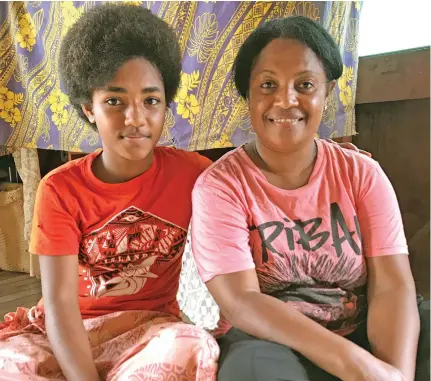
x: 308, y: 245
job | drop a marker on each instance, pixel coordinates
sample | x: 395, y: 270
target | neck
x: 113, y: 169
x: 289, y: 163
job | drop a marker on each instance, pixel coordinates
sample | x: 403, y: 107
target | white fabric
x: 193, y: 296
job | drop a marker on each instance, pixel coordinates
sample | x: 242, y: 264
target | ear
x: 330, y: 86
x: 87, y: 109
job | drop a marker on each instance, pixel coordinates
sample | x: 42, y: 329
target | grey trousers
x: 246, y: 358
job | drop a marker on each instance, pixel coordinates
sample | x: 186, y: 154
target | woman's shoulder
x: 356, y: 170
x: 341, y: 158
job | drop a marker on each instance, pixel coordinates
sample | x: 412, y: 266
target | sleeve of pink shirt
x: 380, y: 217
x: 220, y: 234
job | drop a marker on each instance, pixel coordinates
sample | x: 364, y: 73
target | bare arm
x: 268, y: 318
x: 64, y: 326
x: 393, y: 317
x: 220, y: 236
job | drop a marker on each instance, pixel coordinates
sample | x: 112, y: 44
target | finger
x: 352, y: 146
x: 366, y: 153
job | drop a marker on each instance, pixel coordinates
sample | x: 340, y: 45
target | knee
x: 260, y: 360
x: 236, y: 366
x: 199, y: 343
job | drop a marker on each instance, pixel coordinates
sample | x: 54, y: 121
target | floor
x: 17, y: 290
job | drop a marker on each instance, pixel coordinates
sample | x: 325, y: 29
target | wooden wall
x: 393, y: 123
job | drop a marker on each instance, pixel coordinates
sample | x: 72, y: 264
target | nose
x: 286, y: 97
x: 135, y: 115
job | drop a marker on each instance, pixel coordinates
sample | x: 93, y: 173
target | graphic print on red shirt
x: 123, y: 254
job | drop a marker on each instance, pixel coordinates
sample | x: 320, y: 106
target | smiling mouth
x: 290, y: 121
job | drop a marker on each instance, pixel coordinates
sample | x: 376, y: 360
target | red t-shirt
x: 129, y: 237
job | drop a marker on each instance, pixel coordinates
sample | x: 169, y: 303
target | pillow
x: 193, y: 296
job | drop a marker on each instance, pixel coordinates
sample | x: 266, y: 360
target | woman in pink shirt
x: 300, y: 242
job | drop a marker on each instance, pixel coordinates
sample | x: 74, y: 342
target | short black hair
x: 106, y: 37
x: 299, y: 28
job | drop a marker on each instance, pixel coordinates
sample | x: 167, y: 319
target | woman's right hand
x: 366, y: 367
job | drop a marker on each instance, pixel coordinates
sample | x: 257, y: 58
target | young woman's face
x: 129, y: 110
x: 287, y: 93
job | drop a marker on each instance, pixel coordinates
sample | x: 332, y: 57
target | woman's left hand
x: 351, y: 146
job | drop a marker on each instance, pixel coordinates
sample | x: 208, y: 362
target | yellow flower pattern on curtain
x: 344, y: 83
x: 8, y: 110
x: 187, y: 104
x: 58, y: 102
x: 207, y: 111
x: 26, y: 35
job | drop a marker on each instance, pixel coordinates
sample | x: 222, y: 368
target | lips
x: 286, y: 120
x: 135, y: 136
x: 289, y: 121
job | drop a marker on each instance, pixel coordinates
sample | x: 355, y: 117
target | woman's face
x: 287, y: 93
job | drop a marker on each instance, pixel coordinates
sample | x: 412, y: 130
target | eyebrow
x: 145, y: 90
x: 267, y: 71
x: 300, y: 73
x: 307, y: 72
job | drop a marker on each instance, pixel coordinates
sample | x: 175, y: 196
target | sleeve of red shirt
x: 203, y: 162
x: 54, y: 230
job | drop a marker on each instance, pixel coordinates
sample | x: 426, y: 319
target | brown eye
x: 113, y: 102
x: 307, y: 85
x: 267, y: 85
x: 152, y: 101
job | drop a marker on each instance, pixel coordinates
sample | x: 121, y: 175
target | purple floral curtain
x: 207, y: 112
